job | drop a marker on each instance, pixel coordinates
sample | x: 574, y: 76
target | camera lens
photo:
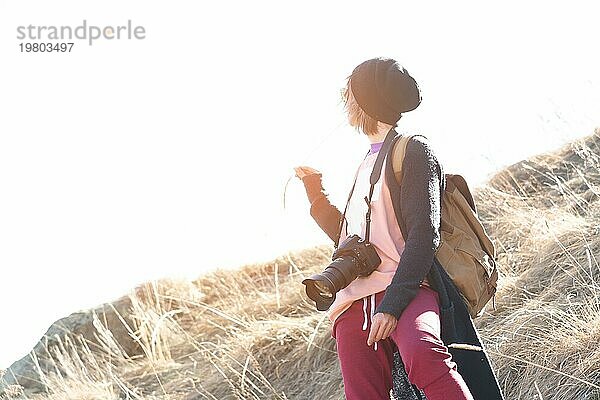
x: 322, y: 289
x: 352, y: 258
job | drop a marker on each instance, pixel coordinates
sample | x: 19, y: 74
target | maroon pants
x: 367, y: 370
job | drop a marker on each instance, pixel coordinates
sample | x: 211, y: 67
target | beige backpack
x: 466, y: 251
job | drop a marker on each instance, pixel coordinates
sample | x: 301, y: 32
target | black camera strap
x: 346, y: 207
x: 375, y: 175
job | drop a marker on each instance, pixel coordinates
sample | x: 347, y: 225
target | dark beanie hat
x: 384, y: 90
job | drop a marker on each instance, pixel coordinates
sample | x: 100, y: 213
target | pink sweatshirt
x: 385, y: 236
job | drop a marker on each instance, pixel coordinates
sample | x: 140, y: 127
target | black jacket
x: 418, y: 211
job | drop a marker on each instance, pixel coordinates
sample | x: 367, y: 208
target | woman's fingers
x: 386, y: 331
x: 382, y: 325
x: 389, y: 330
x: 309, y: 170
x: 303, y: 171
x: 300, y: 172
x: 374, y: 332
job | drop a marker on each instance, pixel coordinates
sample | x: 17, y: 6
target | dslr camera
x: 354, y: 257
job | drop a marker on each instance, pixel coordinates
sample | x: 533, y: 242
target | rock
x: 102, y: 329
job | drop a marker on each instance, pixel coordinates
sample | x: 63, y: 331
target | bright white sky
x: 131, y: 160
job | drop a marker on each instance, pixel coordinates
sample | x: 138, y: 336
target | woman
x: 395, y: 306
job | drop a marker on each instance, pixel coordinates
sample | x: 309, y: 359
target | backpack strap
x: 458, y: 182
x: 398, y: 153
x: 395, y: 162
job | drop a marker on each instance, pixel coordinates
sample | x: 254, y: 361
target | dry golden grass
x: 253, y: 334
x: 545, y: 216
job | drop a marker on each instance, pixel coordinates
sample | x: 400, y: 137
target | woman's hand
x: 382, y: 325
x: 311, y: 178
x: 303, y: 171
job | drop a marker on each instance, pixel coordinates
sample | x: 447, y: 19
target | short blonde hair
x: 356, y: 116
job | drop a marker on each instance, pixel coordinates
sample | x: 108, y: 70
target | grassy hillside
x: 253, y: 334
